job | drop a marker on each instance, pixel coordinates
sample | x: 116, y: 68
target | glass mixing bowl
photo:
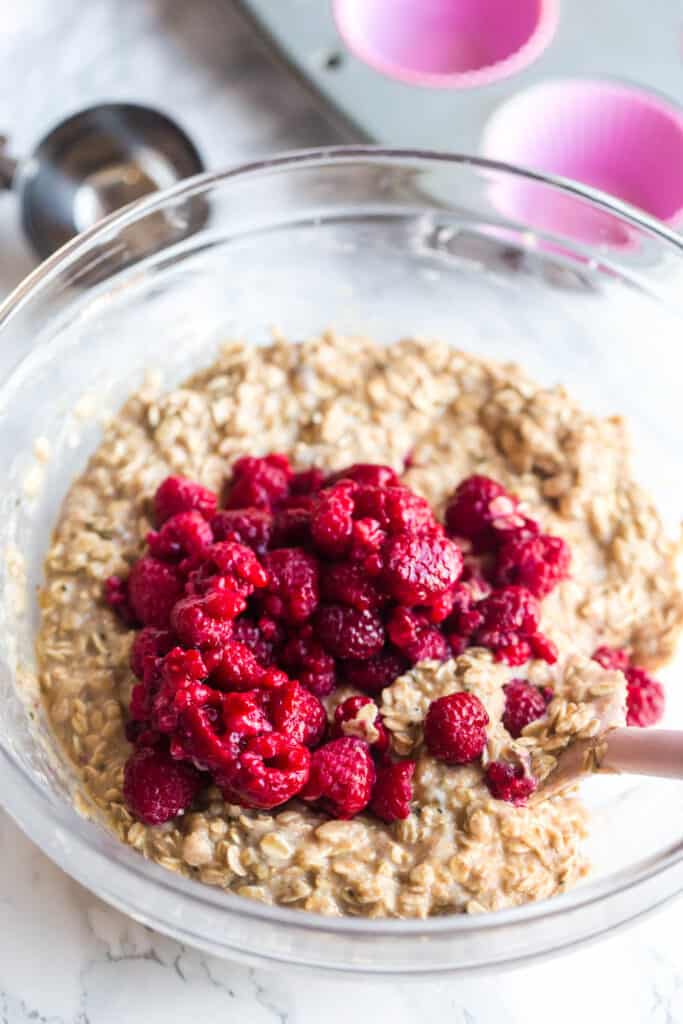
x: 389, y: 244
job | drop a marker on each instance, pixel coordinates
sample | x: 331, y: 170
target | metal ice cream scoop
x: 91, y: 164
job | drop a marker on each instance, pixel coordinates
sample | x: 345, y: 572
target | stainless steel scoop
x: 92, y: 164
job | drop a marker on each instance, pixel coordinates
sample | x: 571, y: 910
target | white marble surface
x: 65, y: 957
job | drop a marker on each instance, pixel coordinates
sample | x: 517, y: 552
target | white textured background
x: 66, y: 958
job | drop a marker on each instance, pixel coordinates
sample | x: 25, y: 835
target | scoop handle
x: 644, y: 752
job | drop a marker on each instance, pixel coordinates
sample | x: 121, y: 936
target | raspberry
x: 307, y: 482
x: 269, y: 771
x: 537, y: 563
x: 510, y: 617
x: 237, y: 668
x: 416, y: 638
x: 291, y: 593
x: 258, y: 483
x: 153, y: 589
x: 393, y: 791
x: 213, y: 728
x: 346, y: 583
x: 184, y: 535
x: 305, y: 657
x: 295, y: 712
x: 644, y: 698
x: 509, y: 782
x: 396, y: 509
x: 116, y: 596
x: 291, y: 527
x: 341, y: 778
x: 418, y: 569
x: 524, y: 703
x: 249, y: 526
x: 149, y: 644
x: 612, y: 658
x: 206, y: 620
x: 367, y: 474
x: 177, y: 494
x: 474, y: 506
x: 157, y: 788
x: 332, y: 520
x: 350, y: 720
x: 455, y: 728
x: 348, y: 633
x: 373, y: 674
x: 246, y: 631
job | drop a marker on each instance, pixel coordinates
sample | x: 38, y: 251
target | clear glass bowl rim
x: 32, y: 810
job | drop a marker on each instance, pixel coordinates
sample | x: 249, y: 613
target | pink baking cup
x: 612, y: 137
x: 449, y: 44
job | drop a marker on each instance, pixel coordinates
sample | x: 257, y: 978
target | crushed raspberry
x: 258, y: 483
x: 304, y: 657
x: 228, y: 565
x: 416, y: 638
x: 185, y: 535
x: 509, y: 782
x: 418, y: 569
x: 177, y: 494
x: 393, y: 791
x: 524, y: 703
x: 332, y: 520
x: 455, y: 728
x: 612, y: 658
x: 212, y: 727
x: 346, y: 632
x: 348, y: 721
x: 537, y: 563
x: 206, y: 620
x: 367, y: 540
x: 367, y: 474
x: 645, y: 699
x: 292, y: 591
x: 373, y: 674
x: 153, y: 589
x: 174, y: 681
x: 341, y: 777
x: 270, y: 770
x: 346, y: 583
x: 236, y: 668
x: 156, y: 788
x: 149, y: 644
x: 252, y: 527
x: 474, y: 506
x: 297, y: 713
x: 291, y: 527
x: 116, y: 596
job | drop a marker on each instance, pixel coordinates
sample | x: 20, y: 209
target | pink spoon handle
x: 644, y: 752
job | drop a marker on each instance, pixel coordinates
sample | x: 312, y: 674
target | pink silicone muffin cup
x: 452, y: 44
x: 613, y: 137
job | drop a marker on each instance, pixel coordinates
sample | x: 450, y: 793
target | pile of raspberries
x: 247, y: 615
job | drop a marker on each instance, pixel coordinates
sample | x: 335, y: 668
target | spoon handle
x: 644, y: 752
